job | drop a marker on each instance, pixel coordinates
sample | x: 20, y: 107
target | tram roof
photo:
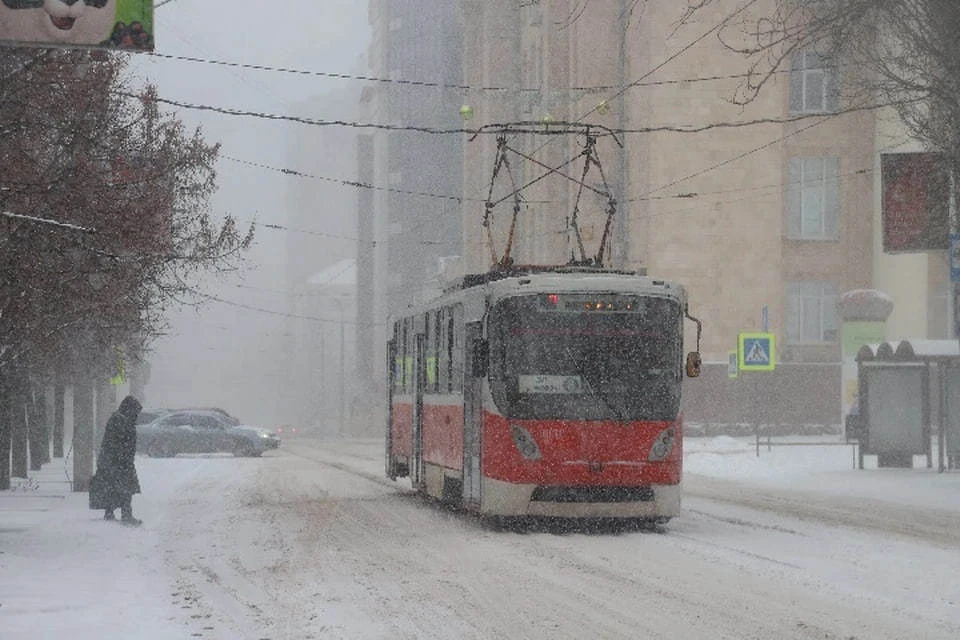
x: 514, y: 281
x: 589, y: 278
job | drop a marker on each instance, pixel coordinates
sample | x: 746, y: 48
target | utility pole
x: 343, y: 371
x: 953, y: 249
x: 622, y: 238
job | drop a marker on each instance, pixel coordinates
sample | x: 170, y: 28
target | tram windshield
x: 586, y: 357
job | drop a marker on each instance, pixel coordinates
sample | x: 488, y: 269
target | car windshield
x: 586, y: 356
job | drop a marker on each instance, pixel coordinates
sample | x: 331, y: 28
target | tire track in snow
x: 934, y: 526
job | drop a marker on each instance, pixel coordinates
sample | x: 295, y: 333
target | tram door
x: 472, y: 417
x: 419, y: 382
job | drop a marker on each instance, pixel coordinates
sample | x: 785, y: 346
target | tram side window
x: 402, y: 356
x: 430, y: 352
x: 455, y: 346
x: 410, y: 342
x: 447, y: 381
x: 442, y: 365
x: 395, y: 364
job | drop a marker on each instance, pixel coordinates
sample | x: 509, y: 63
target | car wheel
x: 242, y: 450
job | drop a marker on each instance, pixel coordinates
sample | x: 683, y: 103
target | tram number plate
x: 550, y: 384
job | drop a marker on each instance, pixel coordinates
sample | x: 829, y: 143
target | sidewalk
x: 44, y: 491
x: 68, y: 573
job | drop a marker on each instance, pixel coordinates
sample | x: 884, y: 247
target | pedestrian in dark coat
x: 116, y: 473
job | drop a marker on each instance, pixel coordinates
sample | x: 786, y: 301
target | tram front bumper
x: 509, y: 499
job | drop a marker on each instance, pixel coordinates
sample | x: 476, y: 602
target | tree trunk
x: 19, y: 461
x: 82, y: 435
x: 106, y: 404
x: 5, y: 434
x: 58, y: 417
x: 44, y: 413
x: 35, y: 426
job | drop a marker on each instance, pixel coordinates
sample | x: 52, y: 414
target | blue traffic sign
x: 756, y: 352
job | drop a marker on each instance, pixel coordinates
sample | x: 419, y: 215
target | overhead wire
x: 464, y: 88
x: 460, y: 199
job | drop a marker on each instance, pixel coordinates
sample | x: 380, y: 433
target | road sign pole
x: 733, y: 369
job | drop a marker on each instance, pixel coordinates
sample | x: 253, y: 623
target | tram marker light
x: 662, y: 446
x: 524, y: 442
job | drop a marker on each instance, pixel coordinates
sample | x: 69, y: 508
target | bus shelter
x: 905, y: 387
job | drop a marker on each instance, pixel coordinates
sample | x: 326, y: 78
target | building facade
x: 767, y: 209
x: 409, y: 221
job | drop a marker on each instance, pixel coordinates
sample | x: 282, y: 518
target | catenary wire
x: 463, y: 88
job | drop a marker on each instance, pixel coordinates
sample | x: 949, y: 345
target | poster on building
x: 916, y: 189
x: 102, y: 24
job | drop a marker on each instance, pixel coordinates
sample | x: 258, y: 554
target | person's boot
x: 126, y: 517
x: 109, y: 515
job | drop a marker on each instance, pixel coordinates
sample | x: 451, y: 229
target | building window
x: 813, y: 84
x: 811, y: 312
x: 813, y: 199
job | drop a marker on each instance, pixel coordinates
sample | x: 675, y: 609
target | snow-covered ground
x: 311, y: 541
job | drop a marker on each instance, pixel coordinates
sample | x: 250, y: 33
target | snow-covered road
x: 312, y: 542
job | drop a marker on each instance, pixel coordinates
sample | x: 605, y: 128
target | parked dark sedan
x: 202, y: 431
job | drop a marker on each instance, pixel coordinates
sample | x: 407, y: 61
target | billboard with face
x: 113, y: 24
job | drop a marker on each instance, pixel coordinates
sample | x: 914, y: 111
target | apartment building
x: 765, y: 209
x: 774, y: 219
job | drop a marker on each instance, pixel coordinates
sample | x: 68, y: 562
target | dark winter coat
x: 116, y: 474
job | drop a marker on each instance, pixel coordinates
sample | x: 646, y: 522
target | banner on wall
x: 102, y: 24
x: 915, y: 192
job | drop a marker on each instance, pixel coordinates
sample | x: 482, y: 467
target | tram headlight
x: 525, y: 443
x: 662, y: 446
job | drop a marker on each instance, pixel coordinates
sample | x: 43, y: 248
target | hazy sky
x: 220, y: 354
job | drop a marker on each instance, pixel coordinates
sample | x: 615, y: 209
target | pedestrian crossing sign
x: 757, y: 352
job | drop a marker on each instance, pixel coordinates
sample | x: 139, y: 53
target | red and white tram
x: 543, y: 392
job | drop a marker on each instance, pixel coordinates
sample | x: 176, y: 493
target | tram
x: 546, y: 392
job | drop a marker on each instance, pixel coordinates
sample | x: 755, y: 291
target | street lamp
x: 343, y: 370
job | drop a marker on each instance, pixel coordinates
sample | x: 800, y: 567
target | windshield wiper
x: 595, y: 394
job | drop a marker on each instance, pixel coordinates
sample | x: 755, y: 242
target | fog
x: 231, y: 355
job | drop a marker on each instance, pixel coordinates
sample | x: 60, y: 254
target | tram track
x: 938, y: 527
x: 312, y: 542
x: 341, y: 466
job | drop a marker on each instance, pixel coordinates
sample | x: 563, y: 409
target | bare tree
x: 902, y: 53
x: 104, y: 213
